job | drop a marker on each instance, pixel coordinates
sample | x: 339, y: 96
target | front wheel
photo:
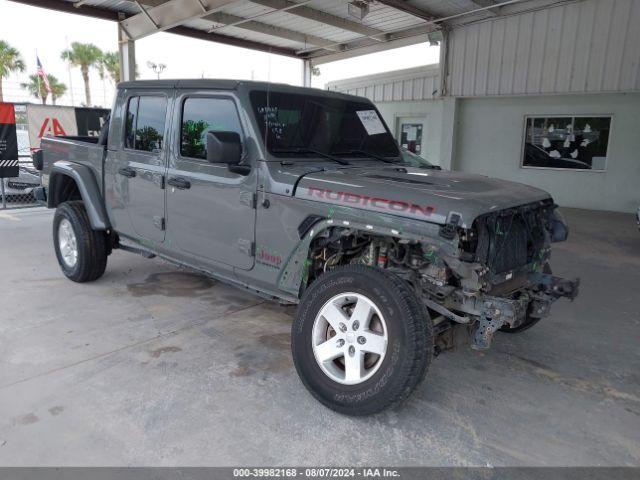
x: 81, y: 251
x: 361, y: 340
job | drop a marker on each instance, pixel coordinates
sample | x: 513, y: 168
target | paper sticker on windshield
x: 371, y: 122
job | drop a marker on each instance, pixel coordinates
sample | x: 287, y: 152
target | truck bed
x: 82, y: 150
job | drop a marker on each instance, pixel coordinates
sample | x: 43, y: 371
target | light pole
x: 158, y: 68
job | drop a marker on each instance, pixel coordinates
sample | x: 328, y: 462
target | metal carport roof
x: 316, y: 30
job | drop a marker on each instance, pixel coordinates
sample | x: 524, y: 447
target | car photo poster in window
x: 567, y: 142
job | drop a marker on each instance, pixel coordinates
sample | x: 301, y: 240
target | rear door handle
x: 179, y: 183
x: 127, y: 172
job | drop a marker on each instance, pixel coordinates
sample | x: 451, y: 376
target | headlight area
x: 558, y: 227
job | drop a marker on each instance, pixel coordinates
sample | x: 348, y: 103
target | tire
x: 390, y: 377
x: 529, y: 321
x: 90, y: 245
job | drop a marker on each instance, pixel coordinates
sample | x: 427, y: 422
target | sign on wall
x: 8, y: 142
x: 411, y: 137
x: 50, y: 121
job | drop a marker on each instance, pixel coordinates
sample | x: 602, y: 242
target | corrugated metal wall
x: 586, y: 46
x: 421, y: 83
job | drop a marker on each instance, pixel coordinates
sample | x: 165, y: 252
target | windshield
x: 413, y: 160
x: 295, y: 124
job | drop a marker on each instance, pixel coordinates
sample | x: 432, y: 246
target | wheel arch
x: 294, y: 275
x: 69, y: 180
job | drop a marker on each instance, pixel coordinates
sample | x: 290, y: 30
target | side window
x: 202, y: 115
x: 145, y: 123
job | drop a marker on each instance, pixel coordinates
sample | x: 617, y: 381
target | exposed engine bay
x: 498, y: 277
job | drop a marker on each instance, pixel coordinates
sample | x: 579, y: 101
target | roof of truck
x: 177, y: 83
x: 224, y: 84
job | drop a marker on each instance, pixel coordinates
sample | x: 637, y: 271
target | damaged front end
x: 501, y: 277
x: 493, y: 275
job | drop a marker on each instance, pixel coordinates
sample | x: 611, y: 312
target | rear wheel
x: 80, y: 250
x: 361, y: 340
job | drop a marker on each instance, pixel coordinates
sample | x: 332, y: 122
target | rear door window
x: 145, y: 123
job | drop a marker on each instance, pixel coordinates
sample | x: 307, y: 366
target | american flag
x: 43, y: 75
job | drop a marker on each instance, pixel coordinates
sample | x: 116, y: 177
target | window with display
x: 567, y: 142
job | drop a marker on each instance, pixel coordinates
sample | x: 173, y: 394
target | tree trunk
x: 1, y: 100
x: 87, y: 91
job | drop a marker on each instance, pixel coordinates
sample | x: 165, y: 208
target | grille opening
x: 509, y: 239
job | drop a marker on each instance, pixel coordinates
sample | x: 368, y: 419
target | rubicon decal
x: 378, y: 203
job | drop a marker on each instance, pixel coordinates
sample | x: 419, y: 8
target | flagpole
x: 38, y: 75
x: 73, y: 103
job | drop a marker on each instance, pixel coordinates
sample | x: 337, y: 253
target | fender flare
x: 89, y: 191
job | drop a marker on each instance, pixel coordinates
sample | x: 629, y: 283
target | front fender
x: 88, y: 188
x: 296, y: 269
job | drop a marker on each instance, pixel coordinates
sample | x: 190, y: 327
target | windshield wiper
x: 303, y: 150
x: 368, y: 154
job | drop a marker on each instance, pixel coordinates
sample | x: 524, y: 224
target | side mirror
x: 224, y: 147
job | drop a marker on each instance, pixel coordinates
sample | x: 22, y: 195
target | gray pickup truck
x: 302, y: 196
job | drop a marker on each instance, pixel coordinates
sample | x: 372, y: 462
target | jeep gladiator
x: 303, y: 196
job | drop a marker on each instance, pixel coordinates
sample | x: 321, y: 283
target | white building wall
x: 586, y: 46
x: 431, y: 113
x: 489, y: 140
x: 577, y: 58
x: 420, y: 83
x: 413, y: 92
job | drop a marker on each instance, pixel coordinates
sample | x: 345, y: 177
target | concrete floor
x: 152, y: 365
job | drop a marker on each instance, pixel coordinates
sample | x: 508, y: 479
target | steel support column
x: 307, y: 68
x: 127, y: 55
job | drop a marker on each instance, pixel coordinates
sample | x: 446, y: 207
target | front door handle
x: 127, y: 172
x: 179, y: 183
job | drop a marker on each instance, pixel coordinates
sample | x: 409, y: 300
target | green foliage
x: 10, y: 60
x: 148, y: 139
x: 36, y: 87
x: 111, y: 65
x: 57, y: 88
x: 83, y: 55
x: 192, y: 144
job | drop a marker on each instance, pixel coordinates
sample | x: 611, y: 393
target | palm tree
x: 84, y: 56
x: 10, y: 61
x: 58, y: 88
x: 111, y: 63
x: 36, y: 87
